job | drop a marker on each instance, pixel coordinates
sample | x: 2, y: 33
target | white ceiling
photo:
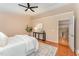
x: 42, y: 7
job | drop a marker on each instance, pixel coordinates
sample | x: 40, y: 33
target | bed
x: 19, y: 45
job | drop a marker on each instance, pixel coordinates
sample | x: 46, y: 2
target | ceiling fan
x: 28, y: 7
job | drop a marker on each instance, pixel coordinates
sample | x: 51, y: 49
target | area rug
x: 45, y: 50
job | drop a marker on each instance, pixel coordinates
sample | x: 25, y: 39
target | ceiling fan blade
x: 32, y: 10
x: 28, y: 5
x: 26, y: 9
x: 34, y: 7
x: 22, y: 5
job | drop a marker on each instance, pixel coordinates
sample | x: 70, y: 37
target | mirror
x: 39, y: 27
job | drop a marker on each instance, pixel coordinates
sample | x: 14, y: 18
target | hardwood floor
x: 63, y: 50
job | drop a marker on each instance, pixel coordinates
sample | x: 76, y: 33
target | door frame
x: 74, y: 31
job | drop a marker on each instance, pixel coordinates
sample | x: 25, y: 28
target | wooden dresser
x: 39, y: 35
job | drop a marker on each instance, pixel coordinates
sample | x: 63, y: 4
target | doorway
x: 63, y: 32
x: 66, y: 33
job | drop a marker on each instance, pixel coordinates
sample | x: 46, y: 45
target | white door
x: 71, y: 33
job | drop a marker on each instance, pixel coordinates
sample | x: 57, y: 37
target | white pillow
x: 3, y: 39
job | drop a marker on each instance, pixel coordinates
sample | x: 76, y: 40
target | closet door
x: 72, y: 38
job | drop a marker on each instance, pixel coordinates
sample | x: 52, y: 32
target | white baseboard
x: 52, y: 41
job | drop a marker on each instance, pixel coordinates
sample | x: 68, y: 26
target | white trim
x: 77, y: 52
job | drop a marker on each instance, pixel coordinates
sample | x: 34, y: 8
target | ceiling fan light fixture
x: 28, y: 7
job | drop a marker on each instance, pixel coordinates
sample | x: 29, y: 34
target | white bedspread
x: 19, y: 45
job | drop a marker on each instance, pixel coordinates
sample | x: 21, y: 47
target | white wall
x: 12, y: 24
x: 51, y: 24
